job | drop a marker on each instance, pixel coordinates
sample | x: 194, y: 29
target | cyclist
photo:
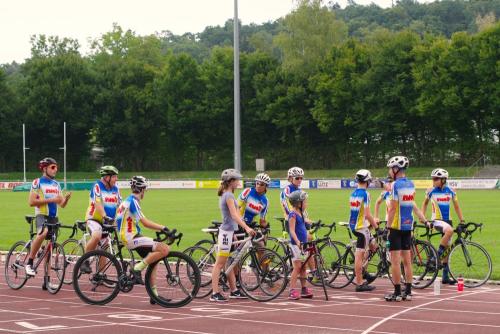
x: 385, y: 195
x: 45, y: 196
x: 441, y: 197
x: 400, y: 224
x: 298, y: 237
x: 128, y: 216
x: 295, y: 177
x: 359, y: 222
x: 104, y: 200
x: 231, y: 218
x: 253, y: 201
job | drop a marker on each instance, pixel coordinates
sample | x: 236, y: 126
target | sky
x: 84, y: 19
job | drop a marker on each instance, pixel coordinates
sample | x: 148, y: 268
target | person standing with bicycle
x: 129, y: 215
x: 441, y: 197
x: 295, y: 177
x: 400, y: 224
x: 359, y: 222
x: 231, y: 218
x: 298, y: 239
x: 45, y: 196
x: 253, y: 201
x: 104, y: 200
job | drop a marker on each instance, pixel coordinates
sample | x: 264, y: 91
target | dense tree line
x: 322, y: 87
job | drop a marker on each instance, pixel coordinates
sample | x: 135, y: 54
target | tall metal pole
x: 24, y: 153
x: 64, y: 150
x: 237, y: 131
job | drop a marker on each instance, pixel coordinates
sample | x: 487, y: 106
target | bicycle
x: 75, y: 248
x: 262, y: 272
x: 52, y: 253
x: 466, y: 258
x: 177, y: 277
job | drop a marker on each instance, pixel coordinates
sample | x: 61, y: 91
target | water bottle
x: 437, y: 287
x: 460, y: 284
x: 387, y: 252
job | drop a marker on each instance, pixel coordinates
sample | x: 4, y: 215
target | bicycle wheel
x: 17, y: 258
x: 205, y: 261
x: 101, y: 284
x: 55, y: 269
x: 321, y: 270
x: 205, y: 243
x: 269, y: 276
x: 424, y: 264
x: 280, y: 246
x: 345, y: 266
x: 176, y: 278
x: 331, y: 257
x: 73, y: 250
x: 472, y: 262
x: 127, y: 254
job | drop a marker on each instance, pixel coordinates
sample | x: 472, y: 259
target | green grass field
x: 191, y: 210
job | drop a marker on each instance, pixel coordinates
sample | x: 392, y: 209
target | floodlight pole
x: 24, y: 153
x: 237, y: 129
x: 64, y: 149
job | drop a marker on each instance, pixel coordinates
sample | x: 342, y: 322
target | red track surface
x: 32, y: 310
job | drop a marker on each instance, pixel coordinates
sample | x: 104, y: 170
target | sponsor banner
x: 313, y: 184
x: 422, y: 184
x: 9, y: 185
x: 161, y: 184
x: 212, y: 184
x: 348, y: 184
x: 474, y: 184
x: 303, y: 185
x: 275, y: 184
x: 329, y: 184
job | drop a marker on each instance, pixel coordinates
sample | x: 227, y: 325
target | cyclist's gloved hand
x: 165, y: 229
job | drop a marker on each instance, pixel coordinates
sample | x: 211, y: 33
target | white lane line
x: 368, y: 330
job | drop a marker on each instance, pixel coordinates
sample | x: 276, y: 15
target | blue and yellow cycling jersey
x: 251, y: 204
x: 285, y: 203
x: 403, y: 192
x: 110, y: 199
x: 386, y: 196
x: 46, y: 188
x: 441, y: 199
x: 128, y: 216
x: 359, y: 203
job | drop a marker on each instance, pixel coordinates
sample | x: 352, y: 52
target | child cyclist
x: 298, y: 237
x: 441, y: 196
x: 359, y: 222
x: 231, y: 218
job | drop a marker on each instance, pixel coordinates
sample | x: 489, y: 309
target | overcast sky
x: 19, y: 19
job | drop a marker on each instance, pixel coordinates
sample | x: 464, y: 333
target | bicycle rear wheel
x: 424, y: 264
x: 55, y: 263
x: 321, y: 270
x: 73, y: 250
x: 16, y: 260
x: 266, y: 278
x: 101, y: 284
x: 345, y: 265
x: 472, y: 262
x: 205, y: 261
x: 331, y: 257
x: 176, y: 278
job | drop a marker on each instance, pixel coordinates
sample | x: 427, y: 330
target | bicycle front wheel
x: 97, y: 283
x: 266, y: 277
x: 73, y: 250
x: 55, y: 269
x: 345, y: 265
x: 205, y: 261
x: 424, y: 262
x: 176, y: 278
x: 472, y: 262
x: 17, y: 259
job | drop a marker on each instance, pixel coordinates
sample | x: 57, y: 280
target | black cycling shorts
x: 399, y: 240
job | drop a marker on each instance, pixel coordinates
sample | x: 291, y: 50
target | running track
x: 31, y: 310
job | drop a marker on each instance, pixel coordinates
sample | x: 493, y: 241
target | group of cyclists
x: 243, y: 213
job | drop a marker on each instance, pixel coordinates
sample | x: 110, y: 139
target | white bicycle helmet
x: 398, y: 161
x: 229, y: 174
x: 439, y: 172
x: 295, y: 172
x: 363, y: 175
x: 137, y: 183
x: 263, y: 177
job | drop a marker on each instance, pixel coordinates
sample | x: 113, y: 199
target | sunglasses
x: 53, y: 167
x: 435, y: 179
x: 260, y: 184
x: 298, y: 178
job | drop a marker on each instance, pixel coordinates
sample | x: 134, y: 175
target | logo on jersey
x: 255, y: 207
x: 52, y: 191
x: 111, y: 200
x: 97, y: 190
x: 355, y: 204
x: 408, y: 198
x: 443, y: 199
